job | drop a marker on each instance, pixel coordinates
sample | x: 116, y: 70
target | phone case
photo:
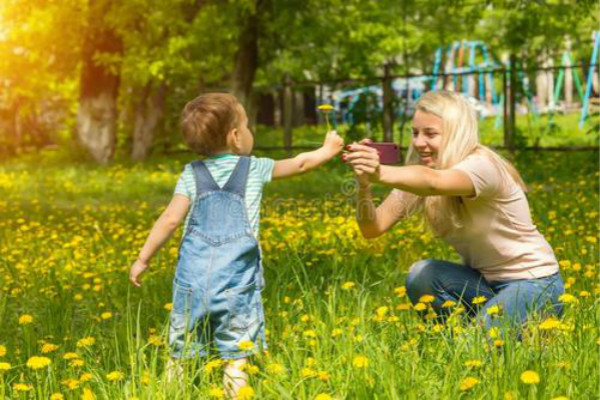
x: 388, y: 152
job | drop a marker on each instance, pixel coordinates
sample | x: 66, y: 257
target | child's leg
x: 234, y: 377
x: 173, y: 370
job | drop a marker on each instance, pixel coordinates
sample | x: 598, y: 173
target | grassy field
x: 339, y: 322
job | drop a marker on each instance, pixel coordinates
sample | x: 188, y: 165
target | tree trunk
x: 99, y: 87
x: 148, y: 113
x: 287, y: 114
x: 247, y: 57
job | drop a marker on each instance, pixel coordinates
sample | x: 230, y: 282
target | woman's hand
x: 365, y: 162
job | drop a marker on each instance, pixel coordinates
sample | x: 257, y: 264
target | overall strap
x: 238, y: 178
x: 204, y: 180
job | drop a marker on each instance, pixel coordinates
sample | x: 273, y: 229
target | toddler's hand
x: 137, y: 269
x: 333, y: 143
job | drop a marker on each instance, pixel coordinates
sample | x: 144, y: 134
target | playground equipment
x: 474, y: 78
x: 463, y: 77
x: 590, y: 80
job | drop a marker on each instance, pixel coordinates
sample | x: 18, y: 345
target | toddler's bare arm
x: 162, y: 230
x: 308, y: 161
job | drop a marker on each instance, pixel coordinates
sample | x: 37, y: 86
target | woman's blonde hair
x: 460, y: 138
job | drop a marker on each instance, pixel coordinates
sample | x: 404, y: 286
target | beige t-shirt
x: 498, y: 237
x: 502, y: 242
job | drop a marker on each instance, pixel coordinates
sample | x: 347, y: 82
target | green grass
x: 69, y: 232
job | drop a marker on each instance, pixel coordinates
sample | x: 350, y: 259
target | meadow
x: 340, y: 325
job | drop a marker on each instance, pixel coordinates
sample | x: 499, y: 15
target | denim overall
x: 218, y: 281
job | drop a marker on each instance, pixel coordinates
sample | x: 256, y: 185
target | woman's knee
x: 420, y: 276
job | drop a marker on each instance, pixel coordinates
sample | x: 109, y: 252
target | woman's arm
x: 417, y: 179
x: 308, y: 161
x: 374, y: 221
x: 162, y: 230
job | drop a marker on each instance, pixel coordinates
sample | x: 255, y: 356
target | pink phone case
x: 388, y: 152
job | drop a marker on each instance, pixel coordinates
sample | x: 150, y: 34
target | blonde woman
x: 474, y: 200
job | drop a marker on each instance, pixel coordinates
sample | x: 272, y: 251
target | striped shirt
x: 221, y: 167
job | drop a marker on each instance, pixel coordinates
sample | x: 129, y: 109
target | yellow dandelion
x: 468, y: 383
x: 325, y: 107
x: 567, y: 298
x: 448, y: 304
x: 275, y: 369
x: 323, y: 396
x: 473, y: 363
x: 22, y: 387
x: 309, y: 333
x: 360, y: 362
x: 498, y: 342
x: 251, y: 369
x: 323, y: 376
x: 106, y: 315
x: 420, y: 307
x: 380, y: 313
x: 530, y: 377
x: 509, y: 396
x: 56, y: 396
x: 549, y: 323
x: 86, y: 341
x: 2, y: 350
x: 87, y: 395
x: 245, y: 393
x: 77, y: 363
x: 494, y: 332
x: 246, y: 345
x: 49, y: 348
x: 479, y: 300
x: 307, y: 372
x: 25, y: 319
x: 426, y: 298
x: 212, y: 365
x: 336, y: 332
x: 85, y: 377
x: 36, y: 362
x: 493, y: 310
x: 70, y: 356
x: 216, y: 393
x: 146, y: 377
x: 71, y: 383
x: 115, y: 376
x: 4, y: 366
x: 348, y: 285
x: 560, y: 398
x: 155, y: 340
x: 400, y: 291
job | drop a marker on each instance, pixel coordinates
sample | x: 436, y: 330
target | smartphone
x: 389, y: 153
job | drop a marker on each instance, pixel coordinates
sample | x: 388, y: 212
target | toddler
x: 219, y: 277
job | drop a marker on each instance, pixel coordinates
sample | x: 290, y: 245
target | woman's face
x: 427, y: 137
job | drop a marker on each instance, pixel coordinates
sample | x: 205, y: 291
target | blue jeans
x: 518, y: 299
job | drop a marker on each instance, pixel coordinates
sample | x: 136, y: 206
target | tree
x: 99, y: 84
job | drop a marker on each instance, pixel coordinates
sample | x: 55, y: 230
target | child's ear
x: 234, y: 139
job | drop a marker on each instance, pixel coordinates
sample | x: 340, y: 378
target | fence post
x: 388, y: 105
x: 508, y: 107
x: 287, y: 113
x: 513, y: 101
